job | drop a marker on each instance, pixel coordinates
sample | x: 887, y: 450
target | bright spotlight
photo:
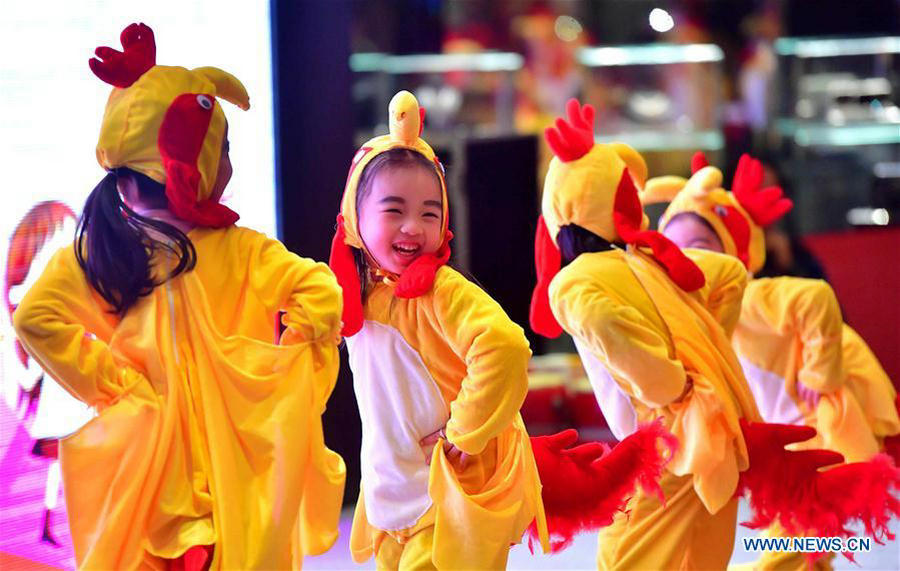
x: 880, y: 217
x: 660, y: 20
x: 567, y: 28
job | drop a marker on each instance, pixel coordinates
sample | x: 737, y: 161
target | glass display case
x: 838, y: 125
x: 656, y: 97
x: 468, y: 93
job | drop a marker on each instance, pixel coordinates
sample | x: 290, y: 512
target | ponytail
x: 116, y: 247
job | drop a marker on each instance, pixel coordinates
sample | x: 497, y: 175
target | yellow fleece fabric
x: 792, y: 327
x: 652, y: 337
x: 208, y: 432
x: 479, y: 360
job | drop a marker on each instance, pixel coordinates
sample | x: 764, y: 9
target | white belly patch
x: 614, y: 403
x: 399, y: 404
x: 772, y: 400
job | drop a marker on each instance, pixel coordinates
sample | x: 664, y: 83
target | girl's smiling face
x: 400, y: 216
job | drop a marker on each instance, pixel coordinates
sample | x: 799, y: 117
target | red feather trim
x: 787, y: 487
x: 585, y: 486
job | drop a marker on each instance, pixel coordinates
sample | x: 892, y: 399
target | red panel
x: 863, y: 267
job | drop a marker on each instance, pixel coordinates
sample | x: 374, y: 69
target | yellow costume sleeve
x: 726, y: 279
x: 496, y: 355
x: 618, y: 334
x: 310, y: 297
x: 808, y: 311
x: 65, y: 326
x: 707, y: 421
x: 870, y: 384
x: 306, y: 290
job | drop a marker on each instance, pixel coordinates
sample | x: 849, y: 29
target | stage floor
x: 582, y: 553
x: 22, y: 502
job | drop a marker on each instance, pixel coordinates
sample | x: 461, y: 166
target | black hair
x: 116, y: 247
x: 574, y: 240
x: 394, y: 158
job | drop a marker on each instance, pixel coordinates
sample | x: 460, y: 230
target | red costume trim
x: 181, y: 137
x: 121, y: 69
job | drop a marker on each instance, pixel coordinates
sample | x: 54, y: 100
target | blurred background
x: 811, y: 87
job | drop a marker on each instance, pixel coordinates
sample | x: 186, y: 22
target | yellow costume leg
x: 387, y: 557
x: 414, y: 555
x: 679, y: 535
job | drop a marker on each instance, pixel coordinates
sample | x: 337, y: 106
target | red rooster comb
x: 138, y: 54
x: 698, y: 161
x: 570, y: 140
x: 765, y: 205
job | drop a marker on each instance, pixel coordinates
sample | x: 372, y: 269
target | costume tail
x: 584, y: 486
x: 787, y: 487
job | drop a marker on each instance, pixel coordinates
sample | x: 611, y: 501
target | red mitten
x: 776, y: 476
x: 584, y: 486
x: 789, y: 487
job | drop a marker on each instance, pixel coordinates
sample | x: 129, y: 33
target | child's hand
x: 688, y: 385
x: 808, y: 395
x: 453, y: 453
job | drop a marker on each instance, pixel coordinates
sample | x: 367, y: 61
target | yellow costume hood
x: 737, y: 217
x: 165, y: 122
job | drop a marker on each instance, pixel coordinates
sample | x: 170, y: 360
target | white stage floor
x: 581, y: 554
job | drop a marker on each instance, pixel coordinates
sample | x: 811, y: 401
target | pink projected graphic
x: 34, y: 410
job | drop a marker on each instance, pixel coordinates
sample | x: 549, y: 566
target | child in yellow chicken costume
x: 652, y: 330
x: 650, y: 346
x: 790, y: 336
x: 450, y: 479
x: 804, y: 365
x: 207, y: 450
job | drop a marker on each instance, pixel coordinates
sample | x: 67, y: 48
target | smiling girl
x: 449, y: 476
